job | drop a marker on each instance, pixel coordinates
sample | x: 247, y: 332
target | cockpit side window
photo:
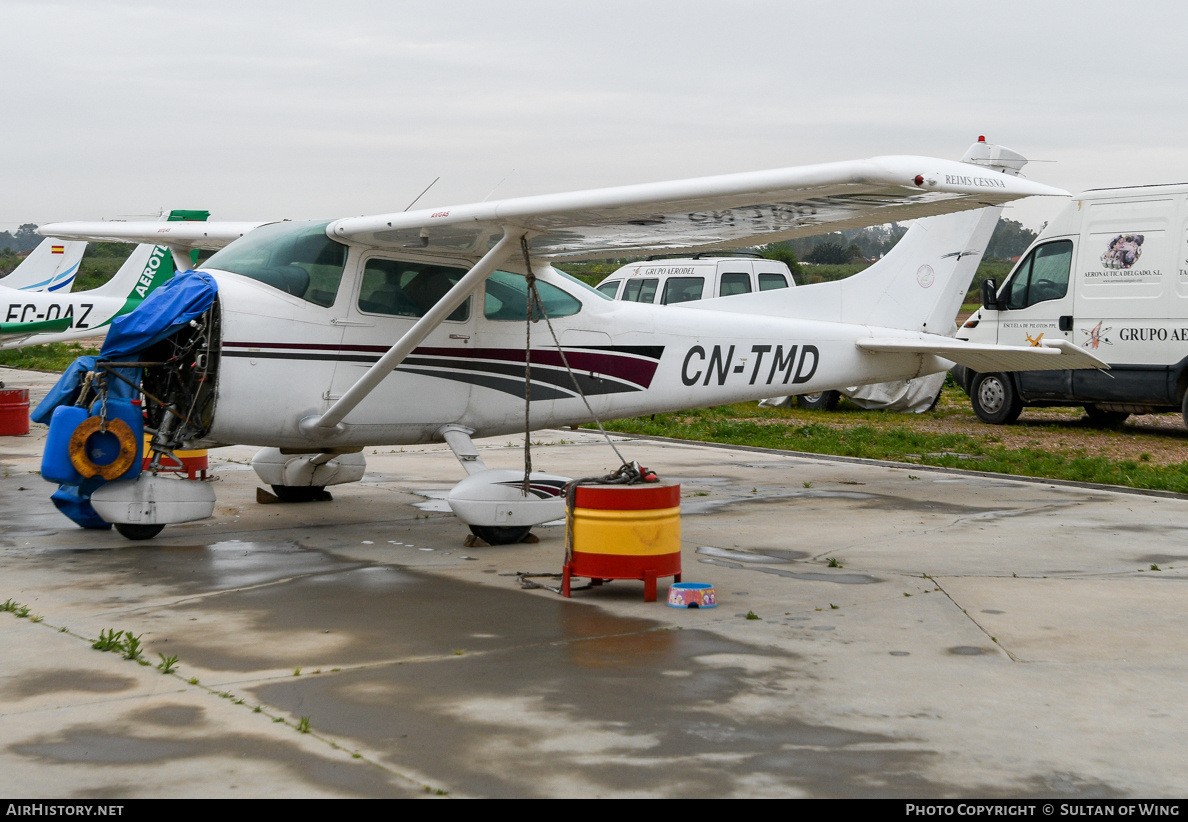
x: 408, y: 289
x: 295, y: 257
x: 507, y: 298
x: 1042, y: 276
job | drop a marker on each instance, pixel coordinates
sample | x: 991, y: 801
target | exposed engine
x: 179, y: 384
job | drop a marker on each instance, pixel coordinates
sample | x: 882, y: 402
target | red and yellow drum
x: 625, y: 532
x: 193, y: 464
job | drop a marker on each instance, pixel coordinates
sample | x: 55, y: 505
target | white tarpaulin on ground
x: 914, y: 396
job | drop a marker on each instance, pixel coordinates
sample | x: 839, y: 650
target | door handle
x: 1066, y: 322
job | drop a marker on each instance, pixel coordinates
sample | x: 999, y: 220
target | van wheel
x: 134, y: 530
x: 1098, y: 416
x: 994, y: 399
x: 501, y: 534
x: 824, y: 401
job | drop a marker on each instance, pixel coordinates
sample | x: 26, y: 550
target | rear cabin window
x: 769, y: 282
x: 641, y: 290
x: 682, y: 289
x: 736, y: 283
x: 406, y: 289
x: 1043, y: 275
x: 507, y: 298
x: 294, y: 257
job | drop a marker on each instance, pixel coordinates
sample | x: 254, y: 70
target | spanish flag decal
x: 58, y: 249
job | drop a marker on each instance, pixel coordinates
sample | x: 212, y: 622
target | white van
x: 1110, y: 274
x: 694, y: 278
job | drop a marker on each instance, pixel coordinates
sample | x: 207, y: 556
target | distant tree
x: 26, y: 237
x: 8, y: 259
x: 781, y: 252
x: 120, y: 250
x: 1010, y: 239
x: 833, y: 253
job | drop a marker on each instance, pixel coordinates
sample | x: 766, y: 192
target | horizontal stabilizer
x: 1057, y: 355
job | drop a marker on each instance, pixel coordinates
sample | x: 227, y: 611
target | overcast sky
x: 265, y: 110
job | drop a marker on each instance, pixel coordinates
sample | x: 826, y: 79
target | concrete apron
x: 981, y: 637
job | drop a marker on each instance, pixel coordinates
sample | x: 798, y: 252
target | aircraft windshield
x: 295, y: 257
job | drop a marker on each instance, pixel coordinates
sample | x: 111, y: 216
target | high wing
x: 1055, y: 355
x: 728, y: 211
x: 176, y: 235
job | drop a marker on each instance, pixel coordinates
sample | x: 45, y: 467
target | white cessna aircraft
x: 52, y: 266
x: 403, y: 328
x: 45, y: 315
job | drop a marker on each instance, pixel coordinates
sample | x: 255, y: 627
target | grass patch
x: 49, y: 357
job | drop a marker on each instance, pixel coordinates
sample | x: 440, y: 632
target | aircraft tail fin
x: 920, y: 284
x: 52, y: 266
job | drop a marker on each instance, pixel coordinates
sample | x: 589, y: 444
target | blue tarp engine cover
x: 184, y: 298
x: 167, y: 309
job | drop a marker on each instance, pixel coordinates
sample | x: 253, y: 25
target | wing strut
x: 327, y: 425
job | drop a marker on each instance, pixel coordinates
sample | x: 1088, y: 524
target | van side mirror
x: 990, y: 294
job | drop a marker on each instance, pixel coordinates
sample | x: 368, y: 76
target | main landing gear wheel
x: 301, y: 493
x: 134, y: 530
x: 824, y: 401
x: 994, y: 399
x: 501, y: 534
x: 1101, y: 417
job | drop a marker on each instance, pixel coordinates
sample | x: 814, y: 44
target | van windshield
x: 1042, y: 276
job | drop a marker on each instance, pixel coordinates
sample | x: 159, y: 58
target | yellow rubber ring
x: 117, y: 467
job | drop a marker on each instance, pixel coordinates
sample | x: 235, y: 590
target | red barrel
x: 14, y: 411
x: 625, y: 532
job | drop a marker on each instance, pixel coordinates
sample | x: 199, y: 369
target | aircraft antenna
x: 422, y: 194
x: 497, y: 185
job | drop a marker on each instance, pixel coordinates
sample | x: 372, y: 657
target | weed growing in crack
x: 109, y: 640
x: 131, y: 646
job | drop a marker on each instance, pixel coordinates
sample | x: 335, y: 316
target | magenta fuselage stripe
x: 632, y: 368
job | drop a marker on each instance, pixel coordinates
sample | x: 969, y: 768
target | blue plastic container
x: 55, y: 461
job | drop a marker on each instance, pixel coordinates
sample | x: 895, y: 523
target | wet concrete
x: 977, y: 637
